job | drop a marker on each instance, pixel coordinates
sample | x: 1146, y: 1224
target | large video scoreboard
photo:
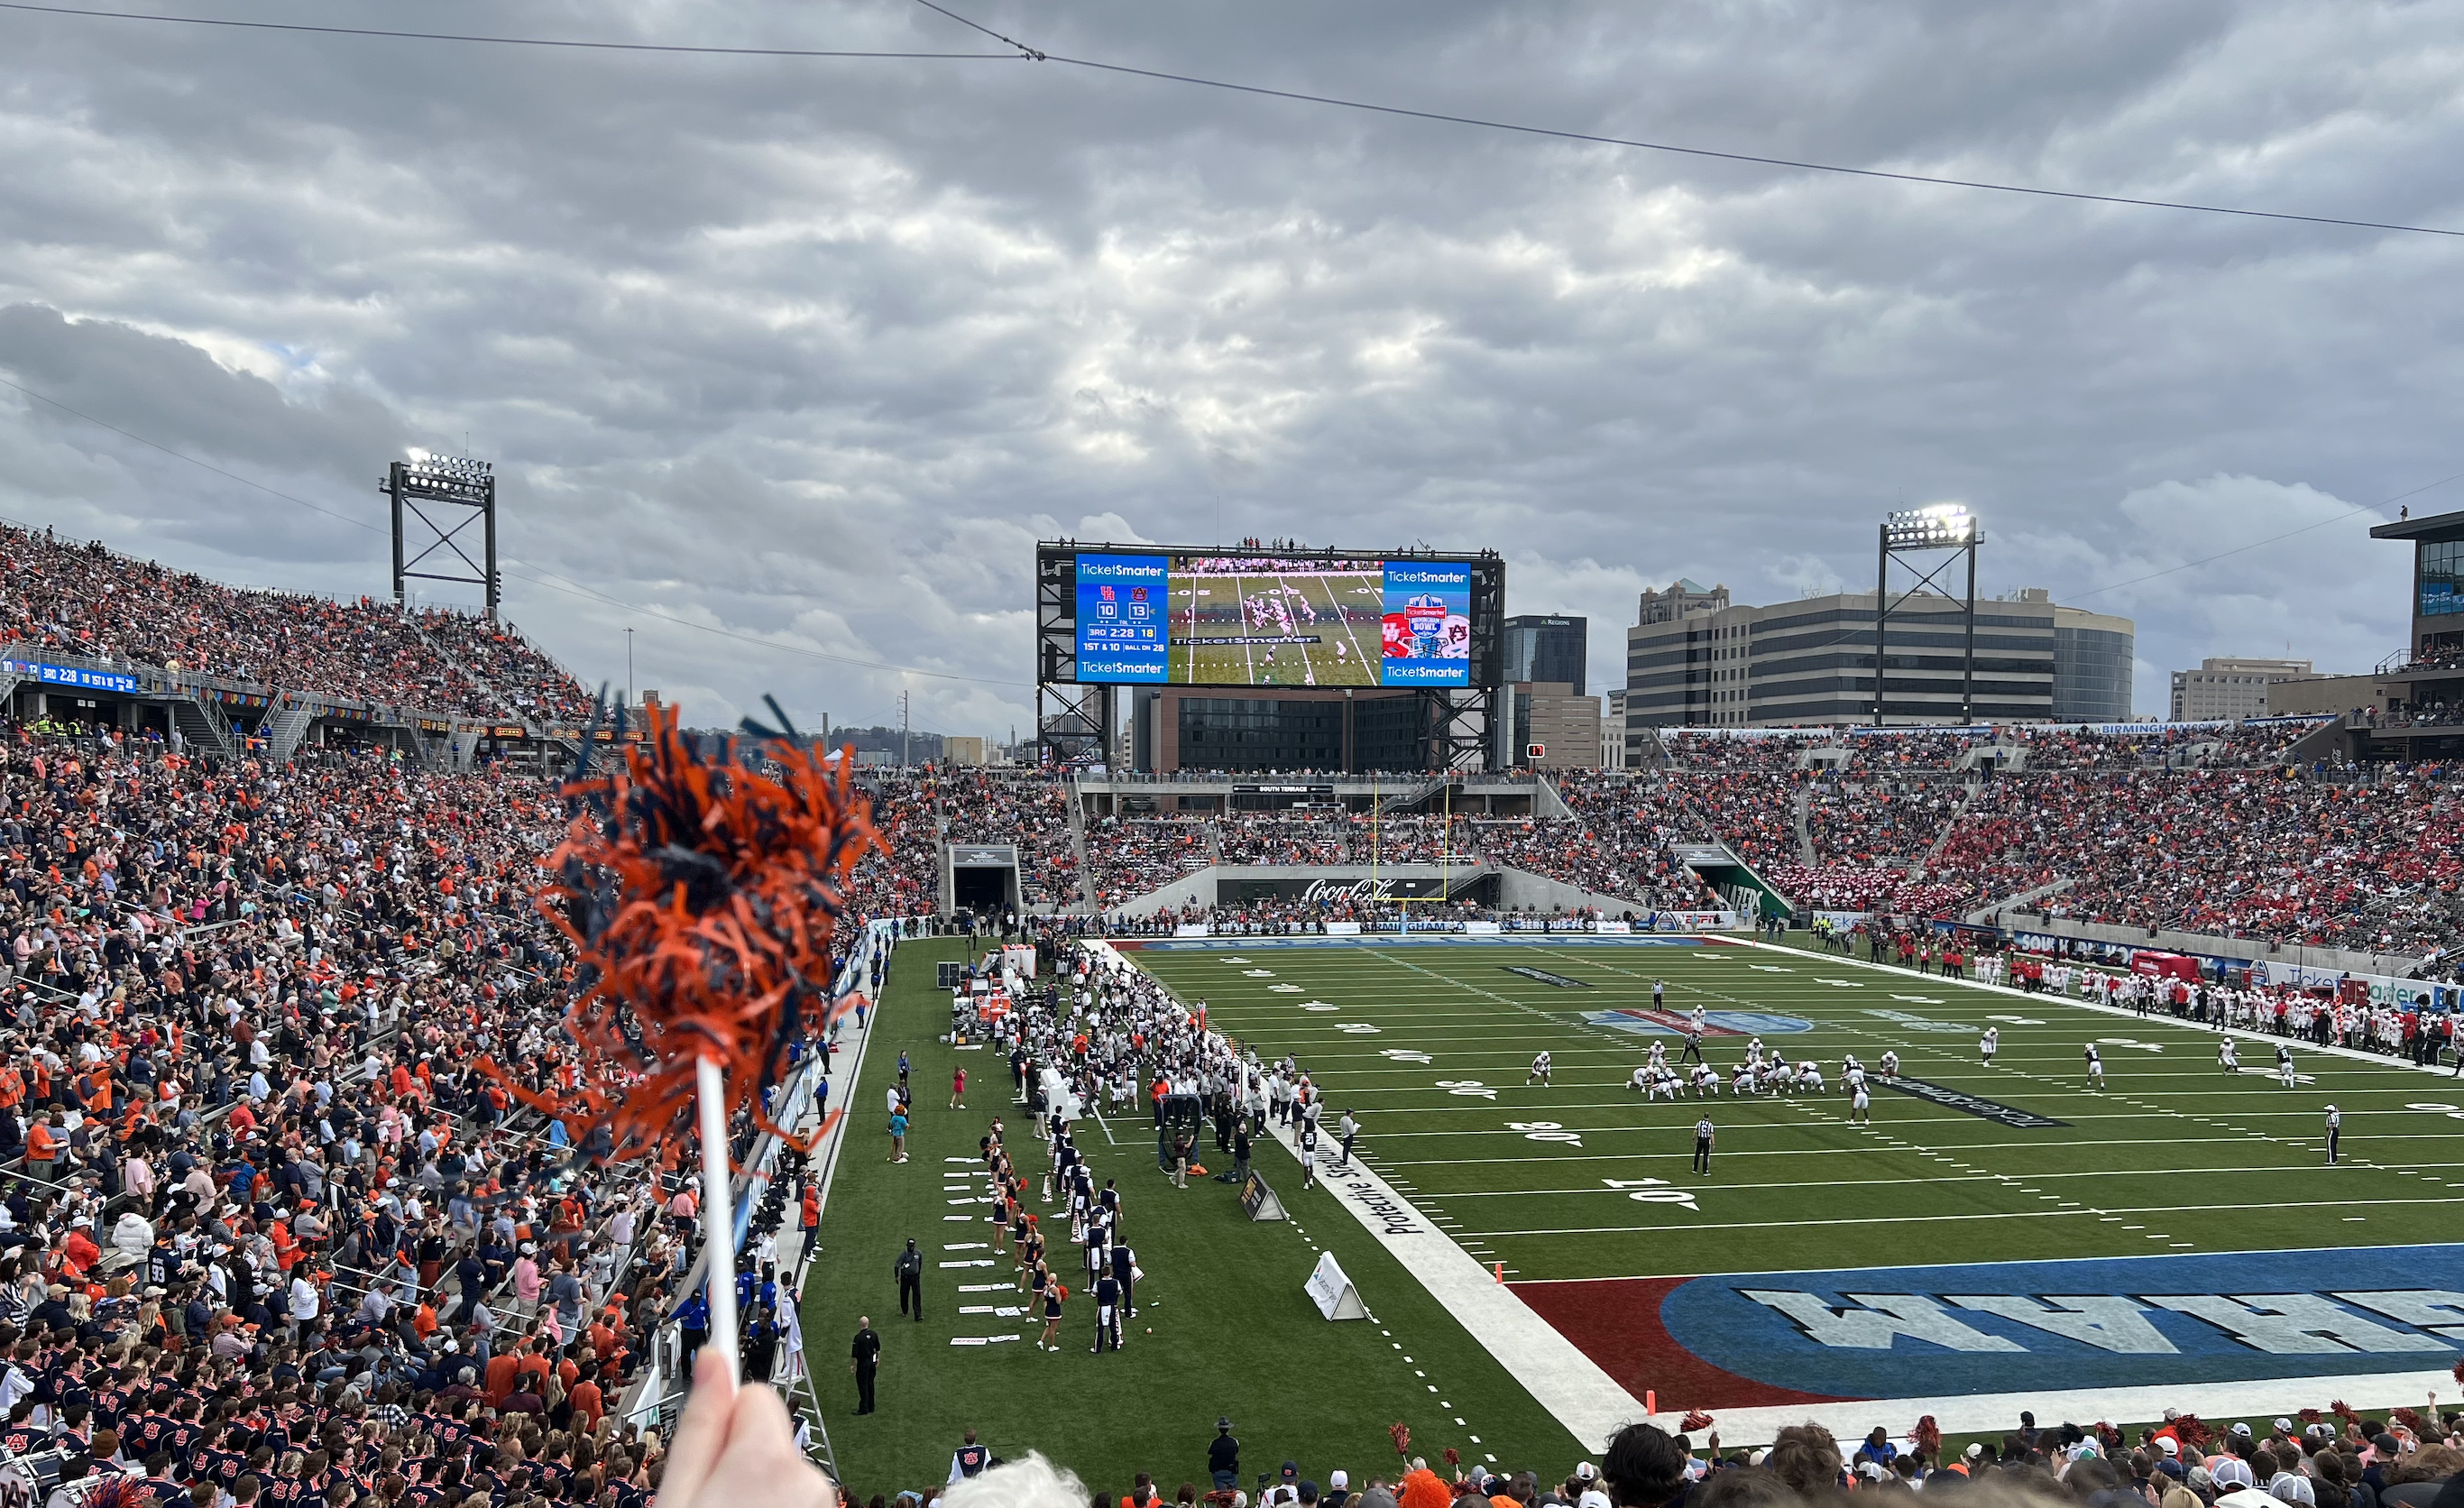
x: 1120, y: 615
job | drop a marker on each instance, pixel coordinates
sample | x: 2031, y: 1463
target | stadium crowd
x: 266, y: 1218
x: 269, y: 1230
x: 2401, y: 1458
x: 81, y: 600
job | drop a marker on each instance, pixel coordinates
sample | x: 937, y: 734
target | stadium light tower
x: 1952, y: 531
x: 423, y: 482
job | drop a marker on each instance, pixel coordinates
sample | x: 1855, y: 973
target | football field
x: 1991, y: 1230
x: 1337, y: 614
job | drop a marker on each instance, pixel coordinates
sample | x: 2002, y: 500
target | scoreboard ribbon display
x: 1120, y: 618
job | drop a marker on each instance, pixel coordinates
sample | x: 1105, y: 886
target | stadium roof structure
x: 2435, y: 529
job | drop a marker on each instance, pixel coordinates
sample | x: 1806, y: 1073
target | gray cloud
x: 813, y: 352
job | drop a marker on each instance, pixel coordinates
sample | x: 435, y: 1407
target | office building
x: 2232, y: 687
x: 1612, y: 730
x: 1547, y: 647
x: 1696, y: 660
x: 2093, y: 655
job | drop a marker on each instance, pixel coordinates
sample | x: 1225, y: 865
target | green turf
x: 1343, y: 608
x: 1527, y: 1174
x: 1233, y: 1332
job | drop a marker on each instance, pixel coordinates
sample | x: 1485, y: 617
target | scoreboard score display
x: 1331, y: 618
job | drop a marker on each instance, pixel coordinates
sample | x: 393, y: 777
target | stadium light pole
x: 1941, y: 527
x: 424, y: 483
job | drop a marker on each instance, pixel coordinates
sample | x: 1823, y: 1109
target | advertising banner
x: 1332, y: 1293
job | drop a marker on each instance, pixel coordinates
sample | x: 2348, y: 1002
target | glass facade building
x: 2092, y: 673
x: 1547, y: 647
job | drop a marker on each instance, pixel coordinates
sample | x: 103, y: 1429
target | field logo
x: 1546, y: 977
x: 1715, y: 1023
x: 2100, y: 1322
x: 1951, y: 1099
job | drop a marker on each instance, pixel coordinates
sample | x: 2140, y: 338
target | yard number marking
x: 1655, y: 1190
x: 1544, y: 1131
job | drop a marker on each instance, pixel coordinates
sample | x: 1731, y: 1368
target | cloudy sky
x: 812, y: 351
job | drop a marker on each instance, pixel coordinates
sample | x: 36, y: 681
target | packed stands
x: 2240, y: 853
x: 1137, y: 857
x: 1032, y: 811
x: 84, y: 600
x: 248, y: 1007
x: 1752, y: 811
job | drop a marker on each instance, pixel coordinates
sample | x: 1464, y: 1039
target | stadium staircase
x: 285, y: 728
x: 563, y: 747
x: 2330, y: 741
x: 1548, y: 802
x: 1805, y: 828
x: 1392, y: 803
x: 201, y: 727
x: 1078, y: 852
x: 1984, y: 915
x: 1967, y: 794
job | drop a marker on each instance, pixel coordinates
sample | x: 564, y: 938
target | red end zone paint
x: 1615, y: 1323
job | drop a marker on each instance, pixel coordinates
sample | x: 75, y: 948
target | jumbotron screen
x: 1187, y: 619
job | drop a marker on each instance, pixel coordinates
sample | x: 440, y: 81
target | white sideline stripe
x: 2001, y: 1214
x: 1992, y: 1413
x: 1559, y: 1377
x: 825, y: 1155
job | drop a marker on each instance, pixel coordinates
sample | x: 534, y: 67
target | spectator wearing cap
x: 1589, y: 1493
x: 1338, y: 1488
x: 1286, y: 1491
x: 2235, y: 1485
x: 1223, y: 1457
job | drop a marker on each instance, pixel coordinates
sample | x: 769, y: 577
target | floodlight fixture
x: 1941, y: 526
x: 422, y: 481
x: 1917, y: 531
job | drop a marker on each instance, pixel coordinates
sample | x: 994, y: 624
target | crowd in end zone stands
x: 79, y: 599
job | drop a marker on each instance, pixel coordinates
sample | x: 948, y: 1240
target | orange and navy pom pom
x: 702, y: 896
